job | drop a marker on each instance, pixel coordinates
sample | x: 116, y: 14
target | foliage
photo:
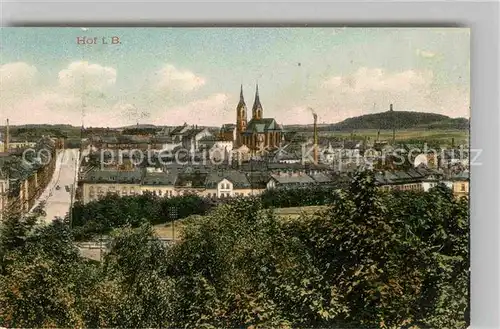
x: 372, y: 259
x: 112, y: 211
x: 43, y: 278
x: 296, y: 197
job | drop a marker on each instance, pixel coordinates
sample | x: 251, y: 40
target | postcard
x: 235, y: 177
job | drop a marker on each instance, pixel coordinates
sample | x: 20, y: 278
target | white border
x: 481, y: 17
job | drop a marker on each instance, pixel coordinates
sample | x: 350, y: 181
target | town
x: 238, y: 159
x: 236, y: 178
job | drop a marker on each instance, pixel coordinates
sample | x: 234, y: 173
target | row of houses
x: 185, y: 136
x: 199, y: 180
x: 23, y: 177
x: 225, y: 183
x: 15, y: 143
x: 422, y: 178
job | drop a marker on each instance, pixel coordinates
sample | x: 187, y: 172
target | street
x: 58, y: 194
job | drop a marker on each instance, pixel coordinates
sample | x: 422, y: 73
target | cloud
x: 376, y: 79
x: 172, y: 79
x: 45, y: 107
x: 60, y: 101
x: 17, y: 77
x: 211, y: 111
x: 425, y: 54
x: 371, y: 90
x: 84, y: 77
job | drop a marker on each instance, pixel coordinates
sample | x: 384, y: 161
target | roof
x: 164, y: 178
x: 209, y: 138
x: 397, y: 177
x: 228, y: 128
x: 108, y: 139
x: 461, y: 176
x: 188, y: 179
x: 351, y: 144
x: 293, y: 179
x: 113, y: 176
x: 262, y: 125
x: 162, y: 139
x: 192, y: 132
x: 284, y: 156
x: 258, y: 180
x: 321, y: 177
x: 19, y: 139
x: 237, y: 178
x: 178, y: 130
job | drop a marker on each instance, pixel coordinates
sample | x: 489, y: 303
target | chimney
x: 7, y: 137
x: 393, y: 123
x: 315, y: 139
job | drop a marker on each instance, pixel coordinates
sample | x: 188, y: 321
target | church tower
x: 257, y: 107
x: 241, y: 119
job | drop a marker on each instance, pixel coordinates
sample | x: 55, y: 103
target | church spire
x: 241, y: 118
x: 241, y: 103
x: 257, y: 107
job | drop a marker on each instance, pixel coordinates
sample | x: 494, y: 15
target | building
x: 178, y: 132
x: 19, y: 143
x: 191, y: 181
x: 170, y: 182
x: 228, y: 184
x: 420, y: 178
x: 160, y: 183
x: 259, y: 133
x: 460, y: 184
x: 4, y: 191
x: 290, y: 180
x: 191, y: 138
x: 229, y: 132
x: 29, y: 175
x: 98, y: 183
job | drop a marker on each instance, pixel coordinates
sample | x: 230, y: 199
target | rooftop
x: 113, y: 176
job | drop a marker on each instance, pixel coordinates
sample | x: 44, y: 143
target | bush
x: 372, y: 259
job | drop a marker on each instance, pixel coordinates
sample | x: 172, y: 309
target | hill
x: 399, y: 120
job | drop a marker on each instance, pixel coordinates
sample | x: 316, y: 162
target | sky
x: 168, y: 76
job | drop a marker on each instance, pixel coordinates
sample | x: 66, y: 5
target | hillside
x: 399, y: 120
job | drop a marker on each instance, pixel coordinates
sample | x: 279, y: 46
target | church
x: 259, y: 133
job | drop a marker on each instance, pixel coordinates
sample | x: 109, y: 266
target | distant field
x: 295, y: 212
x: 167, y: 231
x: 460, y: 136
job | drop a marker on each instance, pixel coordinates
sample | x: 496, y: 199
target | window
x: 462, y: 187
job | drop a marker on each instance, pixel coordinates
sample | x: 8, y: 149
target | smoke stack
x: 7, y: 137
x: 393, y: 125
x: 315, y: 138
x: 378, y: 135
